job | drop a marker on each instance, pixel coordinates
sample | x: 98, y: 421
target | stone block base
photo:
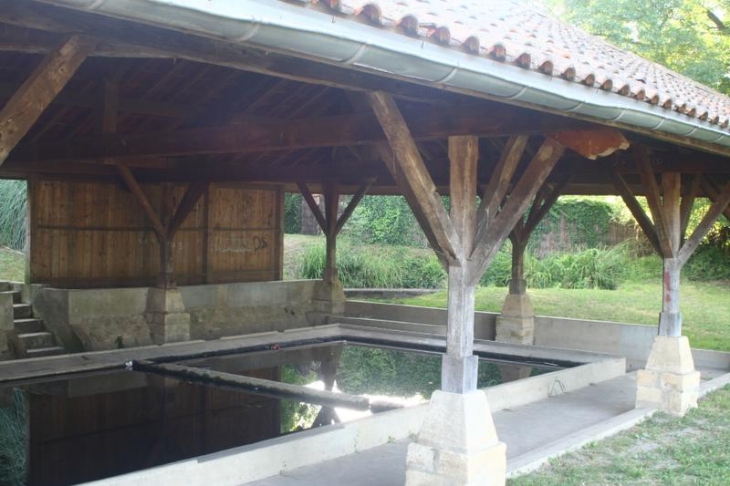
x: 328, y: 298
x: 166, y: 316
x: 670, y: 381
x: 516, y: 323
x: 457, y: 444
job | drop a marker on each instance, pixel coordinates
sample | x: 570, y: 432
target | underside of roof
x: 492, y: 48
x: 274, y: 92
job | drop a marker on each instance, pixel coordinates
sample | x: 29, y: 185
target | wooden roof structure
x: 195, y: 106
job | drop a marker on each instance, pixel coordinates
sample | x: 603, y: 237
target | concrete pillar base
x: 457, y: 444
x: 328, y: 299
x: 670, y: 381
x: 167, y: 318
x: 516, y: 323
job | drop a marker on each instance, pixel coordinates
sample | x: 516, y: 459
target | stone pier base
x: 166, y: 316
x: 516, y: 323
x: 328, y: 299
x: 670, y: 381
x: 457, y: 444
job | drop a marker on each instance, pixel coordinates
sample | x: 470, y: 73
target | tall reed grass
x: 13, y: 197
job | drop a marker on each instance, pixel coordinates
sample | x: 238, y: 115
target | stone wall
x: 102, y: 319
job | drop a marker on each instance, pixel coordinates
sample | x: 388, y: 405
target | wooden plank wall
x: 86, y: 438
x: 94, y: 234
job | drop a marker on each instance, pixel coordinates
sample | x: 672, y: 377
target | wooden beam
x: 489, y: 242
x: 654, y: 200
x: 38, y: 91
x: 309, y: 199
x: 416, y: 175
x: 671, y: 196
x: 713, y: 192
x: 719, y: 205
x: 500, y: 180
x: 385, y: 154
x: 463, y: 157
x: 249, y: 384
x: 537, y: 213
x: 254, y: 134
x: 331, y: 208
x: 688, y: 199
x: 352, y: 205
x: 637, y: 212
x: 136, y: 189
x: 193, y: 193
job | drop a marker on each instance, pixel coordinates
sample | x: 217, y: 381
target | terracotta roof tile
x: 512, y: 33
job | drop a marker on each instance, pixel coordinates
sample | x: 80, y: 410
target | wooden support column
x: 330, y: 223
x: 521, y: 233
x: 460, y: 366
x: 19, y: 114
x: 166, y: 224
x: 331, y: 208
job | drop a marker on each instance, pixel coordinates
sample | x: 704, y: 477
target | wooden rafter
x: 713, y: 192
x: 254, y: 134
x: 38, y: 91
x: 407, y: 161
x: 637, y: 212
x: 719, y: 206
x: 498, y: 228
x: 498, y: 186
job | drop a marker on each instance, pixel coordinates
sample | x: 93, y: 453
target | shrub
x: 710, y: 262
x: 292, y: 213
x: 376, y: 267
x: 13, y: 198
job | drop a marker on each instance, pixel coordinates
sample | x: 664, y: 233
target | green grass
x: 705, y: 306
x: 12, y: 265
x: 660, y: 451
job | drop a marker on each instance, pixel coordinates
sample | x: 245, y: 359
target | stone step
x: 22, y: 311
x: 35, y: 340
x: 49, y: 351
x: 17, y: 296
x: 25, y: 326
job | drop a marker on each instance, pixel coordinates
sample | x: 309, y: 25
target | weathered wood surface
x: 86, y: 235
x: 38, y: 91
x: 269, y: 388
x: 415, y: 175
x: 252, y: 135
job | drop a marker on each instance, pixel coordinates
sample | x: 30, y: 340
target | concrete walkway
x: 566, y: 421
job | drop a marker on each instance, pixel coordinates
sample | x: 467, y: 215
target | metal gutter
x: 303, y: 32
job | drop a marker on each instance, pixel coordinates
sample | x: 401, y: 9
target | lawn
x: 705, y: 306
x: 12, y: 265
x: 661, y: 451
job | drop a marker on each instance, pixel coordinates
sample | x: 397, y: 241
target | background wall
x: 91, y: 234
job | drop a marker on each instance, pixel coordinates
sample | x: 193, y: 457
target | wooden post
x: 460, y: 366
x: 331, y: 208
x: 670, y: 208
x: 38, y: 91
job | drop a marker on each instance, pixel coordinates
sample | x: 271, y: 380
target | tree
x: 688, y: 36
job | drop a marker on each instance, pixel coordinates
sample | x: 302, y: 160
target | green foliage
x: 13, y: 197
x: 296, y: 415
x: 710, y: 262
x: 13, y: 441
x: 679, y: 34
x: 389, y: 372
x: 376, y: 267
x: 586, y: 221
x: 385, y: 220
x: 12, y: 265
x: 589, y: 269
x: 292, y: 213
